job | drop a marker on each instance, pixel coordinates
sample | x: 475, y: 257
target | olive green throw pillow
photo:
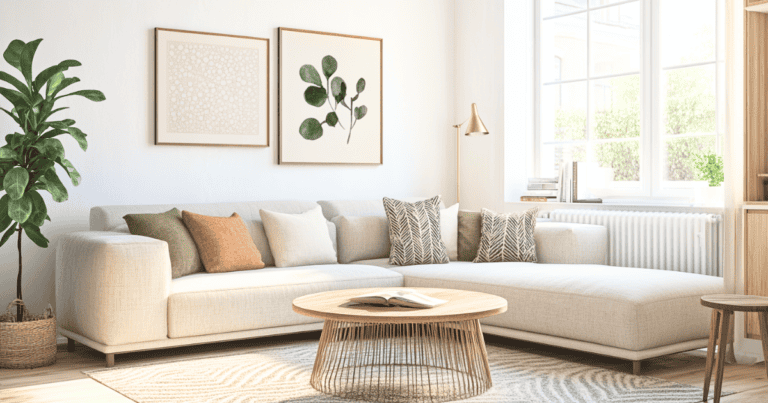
x: 170, y: 228
x: 470, y: 224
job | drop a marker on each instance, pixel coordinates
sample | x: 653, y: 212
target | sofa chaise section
x: 621, y: 312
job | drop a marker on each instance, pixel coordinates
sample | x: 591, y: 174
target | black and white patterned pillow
x: 414, y: 232
x: 507, y: 237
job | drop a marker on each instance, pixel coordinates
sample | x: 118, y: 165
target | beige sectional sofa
x: 115, y: 294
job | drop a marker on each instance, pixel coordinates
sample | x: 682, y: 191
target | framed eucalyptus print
x: 211, y: 89
x: 330, y: 98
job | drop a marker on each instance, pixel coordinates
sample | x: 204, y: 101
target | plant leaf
x: 7, y: 153
x: 79, y: 136
x: 18, y: 99
x: 12, y: 54
x: 360, y: 85
x: 331, y: 118
x: 27, y: 55
x: 338, y: 89
x: 51, y: 148
x: 48, y: 73
x: 93, y: 95
x: 71, y: 171
x: 15, y: 182
x: 7, y: 235
x: 61, y: 124
x: 34, y: 234
x: 309, y: 75
x: 315, y: 96
x: 14, y: 140
x: 5, y: 221
x: 53, y: 83
x: 14, y: 82
x: 14, y: 117
x: 64, y: 84
x: 39, y: 210
x: 47, y: 115
x: 329, y: 66
x: 54, y: 186
x: 311, y: 129
x: 360, y: 111
x: 20, y: 209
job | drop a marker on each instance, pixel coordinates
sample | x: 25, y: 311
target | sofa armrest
x: 113, y: 287
x: 559, y: 242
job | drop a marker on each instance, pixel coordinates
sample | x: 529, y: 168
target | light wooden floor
x: 64, y: 381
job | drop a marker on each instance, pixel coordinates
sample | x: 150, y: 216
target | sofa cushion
x: 110, y: 218
x: 223, y: 242
x: 298, y: 239
x: 365, y: 237
x: 414, y: 232
x: 212, y: 303
x: 556, y: 242
x: 633, y: 309
x: 507, y: 237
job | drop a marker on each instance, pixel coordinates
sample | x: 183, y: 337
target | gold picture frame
x: 220, y: 105
x: 307, y: 131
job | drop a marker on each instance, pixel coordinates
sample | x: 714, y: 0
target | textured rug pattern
x: 281, y: 374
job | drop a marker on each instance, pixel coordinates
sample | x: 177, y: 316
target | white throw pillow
x: 449, y: 230
x: 298, y: 239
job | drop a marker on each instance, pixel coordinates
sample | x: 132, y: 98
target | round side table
x: 724, y: 305
x: 395, y: 354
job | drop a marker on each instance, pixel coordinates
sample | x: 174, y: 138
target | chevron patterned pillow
x: 414, y: 232
x: 507, y: 237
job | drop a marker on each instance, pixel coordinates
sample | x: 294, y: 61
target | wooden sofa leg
x: 110, y: 360
x: 70, y: 345
x: 636, y: 367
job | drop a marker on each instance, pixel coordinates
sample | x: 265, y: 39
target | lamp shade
x: 475, y: 125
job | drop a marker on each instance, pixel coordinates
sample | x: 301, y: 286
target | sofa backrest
x: 360, y: 208
x: 110, y: 218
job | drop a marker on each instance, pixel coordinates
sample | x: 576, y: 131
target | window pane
x: 564, y: 112
x: 688, y: 100
x: 554, y: 155
x: 564, y: 48
x: 615, y: 111
x: 687, y: 31
x: 680, y: 153
x: 551, y: 8
x: 615, y: 40
x: 622, y: 156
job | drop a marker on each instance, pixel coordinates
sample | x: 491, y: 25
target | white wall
x: 115, y: 42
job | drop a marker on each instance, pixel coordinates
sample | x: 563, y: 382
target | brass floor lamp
x: 474, y: 128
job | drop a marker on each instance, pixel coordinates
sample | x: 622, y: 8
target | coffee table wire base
x: 402, y: 362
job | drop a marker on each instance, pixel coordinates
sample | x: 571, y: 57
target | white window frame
x: 652, y: 183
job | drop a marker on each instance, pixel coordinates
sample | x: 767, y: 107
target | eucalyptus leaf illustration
x: 331, y: 118
x: 329, y: 66
x: 338, y: 89
x: 315, y: 96
x: 309, y: 74
x: 335, y: 95
x: 311, y: 129
x: 360, y: 112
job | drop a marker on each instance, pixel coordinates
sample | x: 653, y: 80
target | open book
x: 401, y: 297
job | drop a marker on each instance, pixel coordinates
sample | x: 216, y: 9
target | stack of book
x: 541, y: 190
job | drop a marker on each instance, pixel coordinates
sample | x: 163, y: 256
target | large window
x: 636, y: 86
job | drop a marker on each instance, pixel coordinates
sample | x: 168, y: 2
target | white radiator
x: 684, y: 242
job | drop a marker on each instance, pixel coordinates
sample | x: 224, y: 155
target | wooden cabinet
x: 756, y: 263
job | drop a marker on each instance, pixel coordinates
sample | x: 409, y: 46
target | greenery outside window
x: 632, y: 85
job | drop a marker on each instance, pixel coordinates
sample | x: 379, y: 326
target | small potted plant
x: 28, y: 163
x: 710, y: 169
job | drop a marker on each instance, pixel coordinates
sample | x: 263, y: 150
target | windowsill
x: 547, y: 206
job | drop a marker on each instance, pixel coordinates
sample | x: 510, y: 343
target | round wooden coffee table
x: 395, y: 354
x: 723, y: 306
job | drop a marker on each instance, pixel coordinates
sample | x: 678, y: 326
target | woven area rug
x: 281, y: 374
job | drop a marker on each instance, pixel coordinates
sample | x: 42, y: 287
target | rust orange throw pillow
x: 224, y: 243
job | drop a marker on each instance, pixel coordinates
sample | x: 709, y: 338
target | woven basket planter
x: 30, y: 343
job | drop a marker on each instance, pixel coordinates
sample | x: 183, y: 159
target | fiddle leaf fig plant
x: 29, y: 158
x: 318, y: 95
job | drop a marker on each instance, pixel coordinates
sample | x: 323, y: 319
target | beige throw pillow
x: 298, y: 239
x: 362, y: 238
